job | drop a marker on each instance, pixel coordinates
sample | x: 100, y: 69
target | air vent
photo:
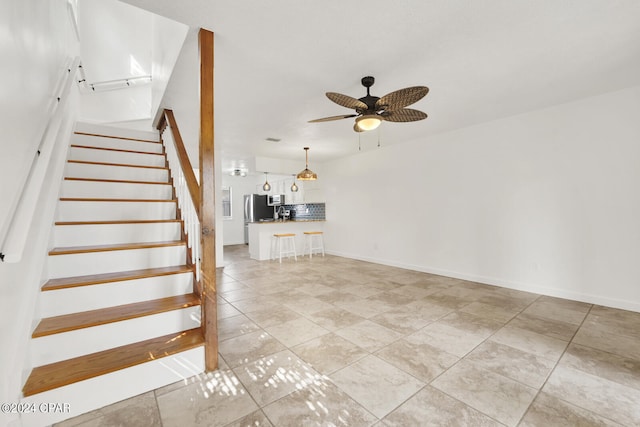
x: 270, y: 139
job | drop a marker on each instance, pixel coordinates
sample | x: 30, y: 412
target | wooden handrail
x: 185, y: 164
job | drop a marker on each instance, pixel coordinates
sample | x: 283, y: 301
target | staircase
x: 118, y: 313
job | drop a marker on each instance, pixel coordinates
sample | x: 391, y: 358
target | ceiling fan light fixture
x: 306, y: 174
x: 368, y: 122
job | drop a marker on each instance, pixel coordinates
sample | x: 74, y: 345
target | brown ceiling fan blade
x: 329, y: 119
x: 347, y: 101
x: 403, y: 115
x: 401, y: 98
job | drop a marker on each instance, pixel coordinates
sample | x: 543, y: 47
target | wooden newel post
x: 207, y: 202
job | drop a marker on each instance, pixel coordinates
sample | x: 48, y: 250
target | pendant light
x: 266, y: 186
x: 294, y: 186
x: 306, y: 174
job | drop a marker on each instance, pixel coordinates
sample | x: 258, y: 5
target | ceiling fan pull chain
x: 359, y: 142
x: 378, y: 137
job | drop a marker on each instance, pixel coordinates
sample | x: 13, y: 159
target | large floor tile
x: 602, y: 396
x: 420, y: 360
x: 552, y: 328
x: 510, y: 362
x: 307, y: 305
x: 622, y: 321
x: 454, y: 302
x: 335, y: 318
x: 364, y: 307
x: 270, y: 317
x: 338, y: 295
x: 254, y: 419
x: 558, y: 309
x: 360, y: 290
x: 490, y: 311
x: 401, y: 320
x: 603, y: 364
x: 320, y: 403
x: 231, y: 327
x: 547, y: 410
x: 227, y: 310
x: 369, y: 335
x: 296, y: 331
x: 416, y: 292
x: 607, y: 340
x: 329, y: 353
x: 457, y: 333
x: 216, y: 402
x: 272, y: 377
x: 499, y: 397
x: 432, y: 408
x: 530, y: 342
x: 140, y: 410
x: 249, y: 347
x: 377, y: 385
x: 256, y: 304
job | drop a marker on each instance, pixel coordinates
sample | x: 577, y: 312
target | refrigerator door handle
x: 246, y: 209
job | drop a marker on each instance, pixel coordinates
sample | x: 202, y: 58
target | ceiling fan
x: 372, y: 110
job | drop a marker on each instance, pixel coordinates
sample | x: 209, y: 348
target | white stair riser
x: 107, y: 234
x: 115, y: 211
x: 120, y: 144
x: 114, y: 261
x: 116, y: 190
x: 94, y: 393
x: 67, y: 345
x: 120, y: 157
x: 99, y: 129
x: 68, y: 300
x: 84, y: 170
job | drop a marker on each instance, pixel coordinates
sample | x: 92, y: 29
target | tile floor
x: 337, y: 342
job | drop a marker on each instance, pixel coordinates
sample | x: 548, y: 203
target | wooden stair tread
x: 117, y: 181
x: 95, y: 279
x: 81, y: 368
x: 115, y: 149
x: 87, y: 319
x: 126, y: 165
x: 117, y: 247
x: 119, y: 222
x: 92, y: 199
x: 117, y: 137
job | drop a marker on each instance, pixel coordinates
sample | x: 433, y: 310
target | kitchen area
x: 266, y: 215
x: 252, y: 215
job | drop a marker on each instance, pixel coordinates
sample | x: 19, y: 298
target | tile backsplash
x: 307, y: 210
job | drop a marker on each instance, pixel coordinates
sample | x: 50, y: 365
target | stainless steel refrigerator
x: 255, y: 209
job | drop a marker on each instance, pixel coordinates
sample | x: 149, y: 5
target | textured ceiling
x: 482, y: 60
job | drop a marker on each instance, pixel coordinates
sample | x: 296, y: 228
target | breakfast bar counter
x: 261, y: 233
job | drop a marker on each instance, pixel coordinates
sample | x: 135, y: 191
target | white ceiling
x: 482, y: 60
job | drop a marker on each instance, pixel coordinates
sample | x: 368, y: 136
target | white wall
x: 121, y: 41
x: 546, y: 201
x: 38, y: 42
x: 233, y: 229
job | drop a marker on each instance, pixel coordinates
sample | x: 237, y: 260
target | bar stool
x: 312, y: 237
x: 280, y: 240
